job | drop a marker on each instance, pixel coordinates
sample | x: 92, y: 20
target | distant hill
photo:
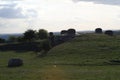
x: 6, y: 36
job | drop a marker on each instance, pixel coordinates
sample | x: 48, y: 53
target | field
x: 86, y: 57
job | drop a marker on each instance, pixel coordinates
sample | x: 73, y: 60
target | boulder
x: 15, y: 62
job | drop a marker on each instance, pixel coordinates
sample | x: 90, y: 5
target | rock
x: 15, y: 62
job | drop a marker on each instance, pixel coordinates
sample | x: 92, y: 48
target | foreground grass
x: 84, y: 58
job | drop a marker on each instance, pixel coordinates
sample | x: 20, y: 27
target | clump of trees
x: 107, y: 32
x: 42, y: 35
x: 44, y: 39
x: 70, y: 32
x: 30, y: 35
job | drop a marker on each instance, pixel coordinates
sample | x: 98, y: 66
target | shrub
x: 46, y: 45
x: 52, y: 39
x: 71, y: 31
x: 98, y: 30
x: 51, y: 34
x: 63, y: 32
x: 20, y: 39
x: 42, y: 34
x: 109, y: 32
x: 12, y: 39
x: 2, y: 40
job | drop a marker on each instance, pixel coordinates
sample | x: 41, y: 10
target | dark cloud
x: 9, y: 9
x: 9, y: 12
x: 108, y: 2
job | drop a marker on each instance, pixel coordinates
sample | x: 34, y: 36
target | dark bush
x: 42, y: 34
x: 15, y: 63
x: 20, y: 39
x: 71, y: 31
x: 51, y: 34
x: 63, y: 32
x: 46, y: 45
x: 30, y: 35
x: 98, y: 30
x: 12, y: 39
x: 2, y: 40
x: 109, y: 32
x: 52, y: 39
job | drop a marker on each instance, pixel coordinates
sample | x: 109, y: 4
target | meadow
x: 86, y: 57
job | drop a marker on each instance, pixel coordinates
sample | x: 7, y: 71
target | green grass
x: 87, y: 49
x: 83, y: 58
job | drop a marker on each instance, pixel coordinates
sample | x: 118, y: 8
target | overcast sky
x: 16, y: 16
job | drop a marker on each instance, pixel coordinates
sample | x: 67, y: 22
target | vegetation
x: 98, y: 30
x: 71, y: 31
x: 2, y: 40
x: 87, y: 57
x: 63, y: 32
x: 30, y: 35
x: 52, y: 39
x: 12, y: 39
x: 42, y: 34
x: 109, y: 32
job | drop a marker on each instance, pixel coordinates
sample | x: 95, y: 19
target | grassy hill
x: 84, y: 58
x: 87, y: 49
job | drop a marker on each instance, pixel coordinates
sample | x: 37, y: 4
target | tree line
x: 28, y: 36
x: 33, y: 35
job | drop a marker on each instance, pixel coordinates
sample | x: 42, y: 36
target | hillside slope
x: 86, y: 49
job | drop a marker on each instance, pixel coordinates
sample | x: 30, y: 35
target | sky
x: 17, y: 16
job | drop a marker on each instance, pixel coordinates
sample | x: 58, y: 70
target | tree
x: 109, y: 32
x: 63, y: 32
x: 98, y: 30
x: 52, y: 39
x: 20, y: 39
x: 42, y: 34
x: 12, y: 39
x: 2, y: 40
x: 30, y: 35
x: 71, y: 32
